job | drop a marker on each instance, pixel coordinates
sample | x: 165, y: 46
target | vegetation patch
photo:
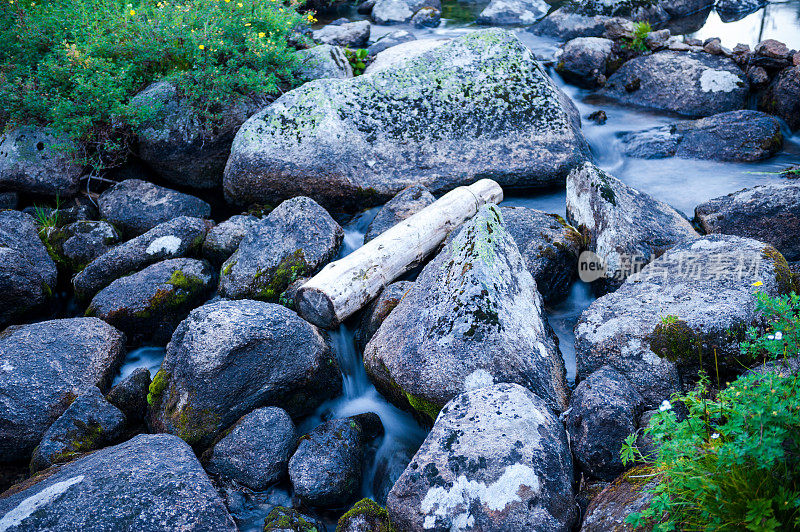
x: 372, y: 511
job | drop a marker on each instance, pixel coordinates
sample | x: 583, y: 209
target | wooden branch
x: 345, y: 286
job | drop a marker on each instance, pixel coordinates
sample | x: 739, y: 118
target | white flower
x: 778, y: 335
x: 715, y: 436
x: 771, y: 336
x: 665, y: 405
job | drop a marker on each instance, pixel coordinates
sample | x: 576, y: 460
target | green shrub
x: 74, y: 64
x: 357, y: 59
x: 640, y: 32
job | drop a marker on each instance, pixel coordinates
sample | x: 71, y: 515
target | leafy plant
x: 782, y: 314
x: 640, y: 32
x: 357, y: 59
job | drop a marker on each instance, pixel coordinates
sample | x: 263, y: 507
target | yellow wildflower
x: 133, y: 13
x: 757, y: 283
x: 261, y: 35
x: 202, y: 47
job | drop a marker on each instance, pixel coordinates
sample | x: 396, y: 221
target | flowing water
x: 681, y: 182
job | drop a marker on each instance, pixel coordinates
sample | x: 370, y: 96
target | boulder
x: 402, y: 53
x: 738, y: 136
x: 564, y: 25
x: 349, y: 35
x: 782, y: 97
x: 88, y: 424
x: 768, y: 213
x: 648, y: 10
x: 772, y: 55
x: 685, y: 310
x: 733, y: 10
x: 43, y: 367
x: 472, y: 318
x: 295, y: 240
x: 376, y: 312
x: 611, y: 507
x: 426, y: 17
x: 79, y: 243
x: 230, y: 357
x: 324, y: 61
x: 365, y: 516
x: 178, y: 143
x: 498, y: 459
x: 390, y: 39
x: 176, y: 238
x: 396, y: 127
x: 135, y: 206
x: 690, y: 84
x: 585, y: 61
x: 625, y: 227
x: 223, y: 240
x: 549, y: 247
x: 255, y: 451
x: 148, y: 305
x: 400, y: 11
x: 39, y: 161
x: 512, y: 12
x: 9, y: 200
x: 390, y: 462
x: 603, y: 411
x: 283, y: 519
x: 151, y: 483
x: 406, y: 203
x: 130, y: 395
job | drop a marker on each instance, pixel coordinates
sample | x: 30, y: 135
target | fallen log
x: 348, y: 284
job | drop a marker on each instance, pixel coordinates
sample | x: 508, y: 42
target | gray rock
x: 152, y: 483
x: 148, y: 305
x: 176, y: 238
x: 79, y: 243
x: 385, y: 131
x: 365, y: 516
x: 656, y: 40
x: 255, y: 452
x: 365, y: 7
x: 283, y: 519
x: 9, y: 200
x: 695, y: 300
x: 651, y: 10
x: 757, y: 77
x: 689, y: 84
x: 472, y: 318
x: 549, y: 246
x: 512, y: 12
x: 230, y: 357
x: 565, y: 25
x: 625, y: 227
x: 400, y: 11
x: 739, y: 136
x: 585, y: 60
x: 782, y: 97
x: 426, y: 17
x: 781, y: 366
x: 376, y: 312
x: 390, y: 39
x: 389, y: 465
x: 733, y: 10
x: 130, y: 395
x: 768, y: 213
x: 88, y: 424
x: 223, y: 240
x: 37, y: 160
x: 43, y: 367
x: 178, y: 144
x: 406, y: 203
x: 350, y: 35
x: 295, y: 240
x: 402, y: 53
x: 135, y: 206
x: 324, y: 61
x: 603, y: 411
x: 496, y: 459
x: 609, y: 510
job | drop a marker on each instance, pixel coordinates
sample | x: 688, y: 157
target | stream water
x: 681, y: 182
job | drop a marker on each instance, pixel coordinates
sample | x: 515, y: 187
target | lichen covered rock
x: 224, y: 238
x: 365, y: 516
x: 350, y: 34
x: 77, y: 244
x: 37, y: 160
x: 324, y: 61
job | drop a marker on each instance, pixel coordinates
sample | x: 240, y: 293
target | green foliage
x: 357, y: 59
x: 74, y: 64
x: 46, y: 217
x: 782, y: 314
x: 640, y: 32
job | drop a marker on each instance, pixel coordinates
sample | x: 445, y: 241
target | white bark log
x: 347, y: 285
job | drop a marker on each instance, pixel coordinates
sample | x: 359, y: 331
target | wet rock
x: 295, y: 240
x: 389, y: 465
x: 130, y: 395
x: 36, y: 160
x: 512, y: 12
x: 326, y: 468
x: 230, y: 357
x: 282, y: 519
x: 653, y: 11
x: 390, y: 39
x: 426, y: 17
x: 8, y: 200
x: 496, y: 459
x: 694, y: 301
x: 549, y: 246
x: 608, y: 510
x: 782, y: 97
x: 135, y: 206
x: 757, y: 77
x: 177, y: 142
x: 472, y: 318
x: 376, y: 312
x: 585, y: 60
x: 733, y: 10
x: 657, y: 40
x: 625, y: 227
x: 768, y: 213
x: 88, y: 424
x: 565, y: 25
x: 520, y: 128
x: 148, y: 305
x: 603, y: 411
x: 223, y: 239
x: 44, y: 366
x: 176, y: 238
x: 365, y: 516
x: 598, y: 117
x: 739, y: 136
x: 27, y: 273
x: 690, y: 84
x: 150, y: 483
x: 772, y: 55
x: 406, y: 203
x: 365, y: 7
x: 400, y: 11
x: 324, y: 61
x: 79, y: 243
x: 255, y: 452
x: 349, y: 35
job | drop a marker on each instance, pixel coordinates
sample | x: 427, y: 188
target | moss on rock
x: 376, y: 514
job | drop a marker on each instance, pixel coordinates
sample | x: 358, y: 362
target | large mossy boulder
x: 472, y: 318
x: 230, y: 357
x: 37, y: 160
x: 476, y: 106
x: 151, y: 483
x: 497, y: 458
x: 77, y: 244
x: 43, y: 367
